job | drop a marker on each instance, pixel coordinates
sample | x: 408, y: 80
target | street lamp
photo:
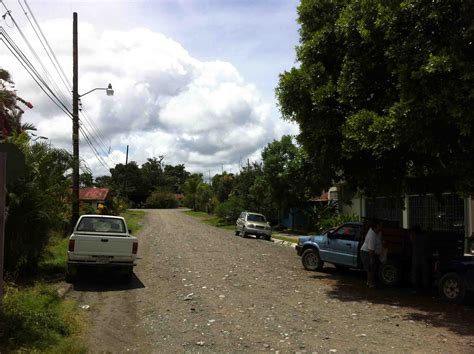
x: 109, y: 90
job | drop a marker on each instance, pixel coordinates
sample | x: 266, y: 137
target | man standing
x: 371, y: 250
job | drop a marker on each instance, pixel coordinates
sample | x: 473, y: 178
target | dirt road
x: 202, y: 289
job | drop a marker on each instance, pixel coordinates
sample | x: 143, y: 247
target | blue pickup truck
x: 341, y: 247
x: 450, y: 270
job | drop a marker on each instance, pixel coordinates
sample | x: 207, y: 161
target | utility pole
x: 75, y: 126
x: 126, y: 174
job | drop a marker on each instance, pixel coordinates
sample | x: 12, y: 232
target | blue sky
x: 244, y: 45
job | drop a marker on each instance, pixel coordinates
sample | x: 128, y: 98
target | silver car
x: 253, y: 224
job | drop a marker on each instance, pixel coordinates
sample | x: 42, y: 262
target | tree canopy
x: 384, y: 93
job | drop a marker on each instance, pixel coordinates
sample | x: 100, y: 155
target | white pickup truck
x: 101, y: 241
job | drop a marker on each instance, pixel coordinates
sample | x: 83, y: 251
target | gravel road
x: 202, y: 289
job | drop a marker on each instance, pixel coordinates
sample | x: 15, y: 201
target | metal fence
x: 431, y: 213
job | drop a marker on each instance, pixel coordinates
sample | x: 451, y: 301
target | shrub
x: 230, y: 210
x: 37, y: 319
x: 161, y: 200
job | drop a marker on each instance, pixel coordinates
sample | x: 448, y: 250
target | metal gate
x: 431, y: 213
x: 385, y: 208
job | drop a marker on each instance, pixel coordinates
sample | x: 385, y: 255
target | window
x: 347, y: 232
x: 92, y: 224
x: 256, y: 218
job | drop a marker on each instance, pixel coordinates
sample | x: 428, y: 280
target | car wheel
x: 312, y: 260
x: 258, y: 237
x: 268, y: 238
x: 236, y: 232
x: 243, y: 234
x: 390, y: 273
x: 452, y: 288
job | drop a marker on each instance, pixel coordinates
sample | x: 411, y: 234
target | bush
x: 37, y: 319
x: 230, y: 210
x: 161, y: 200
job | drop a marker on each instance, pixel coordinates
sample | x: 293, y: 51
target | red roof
x: 93, y: 193
x: 324, y: 197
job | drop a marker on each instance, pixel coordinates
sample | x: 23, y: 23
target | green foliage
x: 325, y: 216
x: 190, y: 189
x: 383, y: 94
x: 54, y: 258
x: 211, y: 220
x: 37, y: 204
x: 134, y: 219
x: 222, y: 186
x: 161, y: 200
x: 37, y: 319
x: 230, y: 210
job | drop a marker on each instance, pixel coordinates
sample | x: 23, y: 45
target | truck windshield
x: 92, y: 224
x: 255, y: 217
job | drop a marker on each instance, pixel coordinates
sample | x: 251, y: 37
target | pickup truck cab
x: 101, y: 241
x: 339, y: 246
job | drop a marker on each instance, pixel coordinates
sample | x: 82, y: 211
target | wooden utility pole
x: 3, y: 187
x: 75, y: 126
x: 126, y: 174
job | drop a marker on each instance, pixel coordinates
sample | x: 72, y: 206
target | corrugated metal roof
x: 93, y: 193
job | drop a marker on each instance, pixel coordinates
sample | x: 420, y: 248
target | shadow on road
x: 427, y: 308
x: 101, y: 282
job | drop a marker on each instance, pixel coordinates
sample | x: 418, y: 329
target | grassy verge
x: 54, y: 257
x: 212, y: 220
x: 284, y: 238
x: 37, y: 319
x: 134, y: 219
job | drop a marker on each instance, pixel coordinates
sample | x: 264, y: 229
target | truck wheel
x: 390, y: 273
x: 268, y: 238
x: 243, y: 234
x: 312, y: 260
x: 236, y: 233
x: 452, y: 288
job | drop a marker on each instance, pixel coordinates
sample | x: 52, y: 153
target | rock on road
x: 199, y: 288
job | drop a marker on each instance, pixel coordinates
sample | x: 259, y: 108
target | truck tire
x: 243, y: 234
x: 236, y: 233
x: 452, y: 288
x: 312, y: 260
x: 390, y: 273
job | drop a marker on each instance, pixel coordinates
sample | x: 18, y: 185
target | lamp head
x: 109, y: 90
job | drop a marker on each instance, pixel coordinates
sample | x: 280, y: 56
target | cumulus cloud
x: 200, y: 113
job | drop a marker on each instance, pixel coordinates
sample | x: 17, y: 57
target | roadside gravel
x: 202, y: 289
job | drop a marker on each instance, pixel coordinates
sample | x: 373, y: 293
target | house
x: 96, y: 199
x: 449, y: 212
x: 297, y: 218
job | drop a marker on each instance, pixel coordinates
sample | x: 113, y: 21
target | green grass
x: 37, y: 319
x: 134, y: 219
x: 284, y: 238
x: 212, y: 220
x: 54, y: 257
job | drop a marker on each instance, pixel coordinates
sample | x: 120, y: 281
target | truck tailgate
x: 103, y: 245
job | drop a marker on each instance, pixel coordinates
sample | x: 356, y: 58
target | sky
x: 194, y: 81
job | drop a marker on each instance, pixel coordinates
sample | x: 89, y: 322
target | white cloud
x: 200, y: 113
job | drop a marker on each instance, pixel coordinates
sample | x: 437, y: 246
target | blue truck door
x: 342, y: 245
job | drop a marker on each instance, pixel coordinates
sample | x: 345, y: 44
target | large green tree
x: 384, y: 93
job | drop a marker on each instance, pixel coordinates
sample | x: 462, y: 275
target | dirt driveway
x: 202, y: 289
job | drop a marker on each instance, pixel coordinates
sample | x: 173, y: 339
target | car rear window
x: 91, y: 224
x: 257, y: 218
